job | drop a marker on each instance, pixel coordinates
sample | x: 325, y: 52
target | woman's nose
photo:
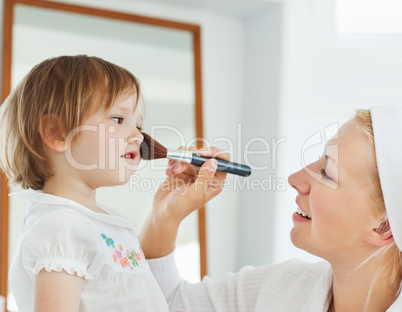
x: 300, y: 181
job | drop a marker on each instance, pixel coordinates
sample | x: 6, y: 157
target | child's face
x: 106, y: 152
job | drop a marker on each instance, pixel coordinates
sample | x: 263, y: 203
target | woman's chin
x: 297, y: 239
x: 293, y: 237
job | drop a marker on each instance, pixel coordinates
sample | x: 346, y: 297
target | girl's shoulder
x: 55, y: 237
x: 48, y: 225
x: 42, y: 206
x: 63, y: 211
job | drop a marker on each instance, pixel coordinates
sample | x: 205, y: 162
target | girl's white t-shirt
x: 60, y: 234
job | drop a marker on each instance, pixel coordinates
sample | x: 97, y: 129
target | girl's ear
x: 52, y: 132
x: 381, y: 236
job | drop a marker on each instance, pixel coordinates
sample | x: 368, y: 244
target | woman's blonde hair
x: 65, y: 88
x: 393, y: 269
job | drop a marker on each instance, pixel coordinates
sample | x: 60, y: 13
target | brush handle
x: 223, y: 165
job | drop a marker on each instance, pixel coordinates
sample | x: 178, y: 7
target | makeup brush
x: 152, y: 149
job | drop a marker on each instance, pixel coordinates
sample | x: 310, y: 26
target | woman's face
x: 335, y: 192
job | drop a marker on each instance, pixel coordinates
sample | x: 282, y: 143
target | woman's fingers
x: 200, y: 192
x: 175, y: 167
x: 214, y: 152
x: 189, y: 187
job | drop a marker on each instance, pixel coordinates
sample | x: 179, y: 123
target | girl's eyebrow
x: 123, y: 108
x: 140, y: 118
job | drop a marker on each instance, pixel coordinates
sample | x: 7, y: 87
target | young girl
x: 71, y: 126
x: 348, y: 212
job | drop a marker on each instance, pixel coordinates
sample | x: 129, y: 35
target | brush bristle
x: 151, y: 149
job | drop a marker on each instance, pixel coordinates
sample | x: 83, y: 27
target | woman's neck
x: 363, y: 287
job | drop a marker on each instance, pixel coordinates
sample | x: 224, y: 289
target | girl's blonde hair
x: 65, y: 88
x: 393, y: 269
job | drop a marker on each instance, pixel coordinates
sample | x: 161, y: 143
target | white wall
x: 261, y: 101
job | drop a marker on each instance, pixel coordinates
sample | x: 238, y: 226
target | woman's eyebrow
x: 330, y: 158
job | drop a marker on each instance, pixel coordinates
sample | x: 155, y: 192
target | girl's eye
x: 324, y: 174
x: 118, y: 120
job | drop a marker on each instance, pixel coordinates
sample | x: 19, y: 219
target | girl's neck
x: 74, y: 190
x: 354, y: 289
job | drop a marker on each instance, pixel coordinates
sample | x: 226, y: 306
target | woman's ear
x: 52, y: 132
x: 381, y: 236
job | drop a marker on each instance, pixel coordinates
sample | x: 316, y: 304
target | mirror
x: 164, y: 55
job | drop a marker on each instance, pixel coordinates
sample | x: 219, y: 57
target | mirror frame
x: 8, y: 15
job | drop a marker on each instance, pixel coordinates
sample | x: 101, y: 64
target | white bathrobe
x: 292, y: 286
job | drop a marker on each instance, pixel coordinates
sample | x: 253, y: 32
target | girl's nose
x: 136, y: 138
x: 300, y: 181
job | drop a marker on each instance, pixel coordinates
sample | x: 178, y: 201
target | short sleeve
x: 61, y: 240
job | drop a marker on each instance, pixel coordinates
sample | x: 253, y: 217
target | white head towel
x: 387, y: 128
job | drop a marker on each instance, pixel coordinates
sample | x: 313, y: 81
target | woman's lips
x: 298, y: 218
x: 298, y: 204
x: 301, y: 212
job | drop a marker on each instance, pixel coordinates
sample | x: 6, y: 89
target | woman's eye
x: 118, y: 120
x: 324, y: 174
x: 139, y: 128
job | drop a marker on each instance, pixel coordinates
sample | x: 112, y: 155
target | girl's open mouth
x: 130, y: 155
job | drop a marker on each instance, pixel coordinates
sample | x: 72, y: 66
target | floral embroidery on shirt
x: 131, y: 255
x: 109, y: 241
x: 124, y: 263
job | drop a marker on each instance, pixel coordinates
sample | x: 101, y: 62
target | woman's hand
x: 186, y: 189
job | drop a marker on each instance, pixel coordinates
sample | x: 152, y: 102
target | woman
x: 346, y: 222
